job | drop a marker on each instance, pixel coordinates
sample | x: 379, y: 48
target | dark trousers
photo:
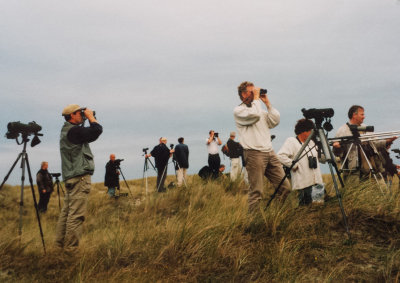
x: 214, y: 162
x: 305, y: 197
x: 43, y: 201
x: 161, y: 176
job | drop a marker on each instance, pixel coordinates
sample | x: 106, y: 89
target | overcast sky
x: 171, y: 68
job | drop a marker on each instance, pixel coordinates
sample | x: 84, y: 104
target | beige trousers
x: 258, y: 165
x: 69, y: 226
x: 181, y: 176
x: 236, y: 168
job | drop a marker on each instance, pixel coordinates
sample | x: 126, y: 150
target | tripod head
x: 56, y: 175
x: 145, y: 151
x: 396, y: 150
x: 117, y: 163
x: 320, y: 115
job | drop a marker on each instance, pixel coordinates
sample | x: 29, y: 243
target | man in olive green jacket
x: 77, y: 167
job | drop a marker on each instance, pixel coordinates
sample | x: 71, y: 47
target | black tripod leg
x: 9, y: 172
x: 162, y: 177
x: 145, y: 166
x: 126, y: 183
x: 339, y: 197
x: 279, y: 186
x: 58, y: 193
x: 34, y: 201
x: 333, y: 163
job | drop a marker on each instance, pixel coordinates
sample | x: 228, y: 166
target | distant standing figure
x: 161, y: 155
x: 213, y: 155
x: 181, y: 156
x: 111, y: 179
x: 235, y: 151
x: 44, y: 183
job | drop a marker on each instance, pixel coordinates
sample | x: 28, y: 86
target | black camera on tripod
x: 17, y: 128
x: 355, y: 128
x: 118, y: 162
x: 396, y: 150
x: 314, y: 113
x: 320, y: 115
x: 171, y: 146
x: 55, y: 175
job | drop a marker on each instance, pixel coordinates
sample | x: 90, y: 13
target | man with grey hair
x: 253, y: 125
x: 234, y: 151
x: 357, y: 166
x: 45, y: 186
x: 77, y: 167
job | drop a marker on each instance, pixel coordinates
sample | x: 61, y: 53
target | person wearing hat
x: 161, y: 155
x: 234, y: 151
x: 77, y: 166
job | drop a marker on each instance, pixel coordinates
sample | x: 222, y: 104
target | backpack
x: 225, y: 150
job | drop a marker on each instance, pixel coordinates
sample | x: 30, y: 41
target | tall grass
x: 204, y: 233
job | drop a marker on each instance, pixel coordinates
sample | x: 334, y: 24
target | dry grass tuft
x: 204, y: 233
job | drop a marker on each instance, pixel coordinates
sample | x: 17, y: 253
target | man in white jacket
x: 253, y: 125
x: 306, y: 172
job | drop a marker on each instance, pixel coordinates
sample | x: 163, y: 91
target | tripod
x: 25, y: 163
x: 161, y: 180
x: 319, y: 135
x: 126, y: 183
x: 163, y: 175
x: 146, y: 167
x: 358, y: 147
x: 59, y: 186
x: 176, y: 165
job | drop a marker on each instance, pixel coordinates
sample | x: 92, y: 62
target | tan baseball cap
x: 233, y: 134
x: 71, y: 109
x: 163, y: 139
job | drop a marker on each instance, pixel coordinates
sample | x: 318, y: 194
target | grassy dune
x: 205, y: 234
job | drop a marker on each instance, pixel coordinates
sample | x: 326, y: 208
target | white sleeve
x: 285, y: 154
x: 246, y: 116
x: 272, y: 117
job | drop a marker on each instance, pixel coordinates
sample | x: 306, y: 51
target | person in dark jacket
x: 77, y: 166
x: 181, y: 157
x: 44, y: 183
x: 161, y: 155
x: 111, y: 179
x: 234, y: 152
x: 206, y: 173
